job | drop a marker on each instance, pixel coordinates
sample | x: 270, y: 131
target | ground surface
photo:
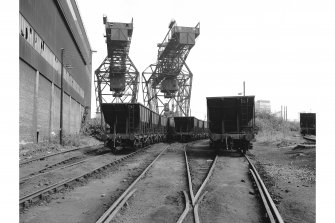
x: 89, y: 201
x: 31, y: 151
x: 289, y: 174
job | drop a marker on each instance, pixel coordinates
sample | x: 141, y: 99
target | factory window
x: 26, y: 33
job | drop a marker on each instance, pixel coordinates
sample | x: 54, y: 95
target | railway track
x: 55, y: 154
x: 27, y: 200
x: 272, y: 212
x: 117, y: 205
x: 194, y: 190
x: 188, y: 192
x: 310, y: 138
x: 69, y: 162
x: 196, y: 195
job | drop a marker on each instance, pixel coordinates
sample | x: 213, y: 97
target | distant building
x: 263, y: 105
x: 45, y: 28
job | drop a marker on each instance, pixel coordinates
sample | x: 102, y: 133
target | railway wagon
x: 188, y: 129
x: 205, y: 130
x: 307, y: 124
x: 132, y: 125
x: 231, y: 122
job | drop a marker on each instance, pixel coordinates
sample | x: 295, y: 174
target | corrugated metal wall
x: 46, y: 27
x: 43, y: 108
x: 56, y: 111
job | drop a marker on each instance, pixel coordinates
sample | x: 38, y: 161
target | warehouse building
x: 45, y: 28
x: 263, y: 106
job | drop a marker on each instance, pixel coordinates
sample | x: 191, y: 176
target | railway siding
x: 89, y: 201
x: 159, y: 196
x: 231, y: 196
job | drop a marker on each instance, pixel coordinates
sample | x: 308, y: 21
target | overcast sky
x: 281, y: 49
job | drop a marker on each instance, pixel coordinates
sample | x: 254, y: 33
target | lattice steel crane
x: 117, y: 79
x: 169, y: 80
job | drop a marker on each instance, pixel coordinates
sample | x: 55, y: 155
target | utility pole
x: 61, y: 98
x: 243, y: 88
x: 281, y: 111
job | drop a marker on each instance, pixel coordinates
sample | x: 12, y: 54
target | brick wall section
x: 43, y: 108
x: 26, y: 103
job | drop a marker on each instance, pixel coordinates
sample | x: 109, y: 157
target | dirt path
x: 289, y: 175
x: 88, y: 202
x: 231, y: 197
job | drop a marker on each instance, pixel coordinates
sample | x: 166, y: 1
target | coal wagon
x: 231, y: 122
x: 189, y: 129
x: 132, y: 125
x: 307, y: 123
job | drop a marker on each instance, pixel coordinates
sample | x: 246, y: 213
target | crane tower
x: 116, y: 79
x: 168, y: 82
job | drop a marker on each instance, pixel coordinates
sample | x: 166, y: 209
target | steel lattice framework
x: 116, y: 79
x: 168, y: 82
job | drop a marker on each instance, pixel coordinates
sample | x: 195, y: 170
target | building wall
x: 43, y: 108
x: 46, y: 27
x: 26, y: 98
x: 263, y: 105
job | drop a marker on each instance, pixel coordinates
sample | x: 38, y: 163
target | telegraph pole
x: 61, y: 98
x: 281, y: 111
x: 243, y: 88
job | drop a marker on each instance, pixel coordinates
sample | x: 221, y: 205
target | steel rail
x: 196, y: 208
x: 107, y: 213
x: 309, y: 138
x: 267, y: 208
x: 116, y: 210
x: 189, y: 178
x: 273, y: 209
x: 28, y: 198
x: 206, y: 180
x: 186, y: 210
x: 23, y: 179
x: 47, y: 156
x: 195, y: 198
x: 33, y: 195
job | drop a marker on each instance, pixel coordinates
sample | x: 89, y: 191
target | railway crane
x: 116, y: 79
x: 168, y: 82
